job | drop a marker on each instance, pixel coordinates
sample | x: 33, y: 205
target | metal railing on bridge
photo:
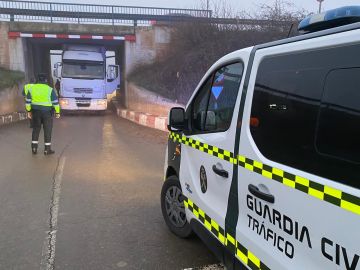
x: 113, y: 15
x: 99, y: 14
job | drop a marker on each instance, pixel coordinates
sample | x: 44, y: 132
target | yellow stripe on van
x: 350, y: 206
x: 333, y: 192
x: 242, y: 253
x: 325, y: 193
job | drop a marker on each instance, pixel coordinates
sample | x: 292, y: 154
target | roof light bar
x: 329, y: 19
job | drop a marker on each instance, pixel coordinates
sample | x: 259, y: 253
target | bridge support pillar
x: 12, y: 54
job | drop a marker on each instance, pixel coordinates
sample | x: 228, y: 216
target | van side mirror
x: 177, y: 121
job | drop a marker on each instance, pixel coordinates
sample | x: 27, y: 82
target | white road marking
x: 48, y: 253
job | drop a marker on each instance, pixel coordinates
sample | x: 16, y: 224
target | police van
x: 264, y: 162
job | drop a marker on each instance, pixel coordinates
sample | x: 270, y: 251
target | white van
x: 264, y: 162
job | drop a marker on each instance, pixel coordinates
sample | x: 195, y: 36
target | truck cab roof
x: 83, y: 56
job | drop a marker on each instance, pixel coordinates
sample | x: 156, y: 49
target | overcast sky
x: 239, y: 5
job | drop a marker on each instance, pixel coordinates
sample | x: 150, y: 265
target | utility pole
x: 320, y: 4
x: 207, y: 5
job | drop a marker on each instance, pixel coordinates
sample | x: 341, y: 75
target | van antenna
x: 290, y: 30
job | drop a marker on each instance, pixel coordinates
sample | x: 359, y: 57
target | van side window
x: 220, y: 100
x: 338, y: 133
x: 307, y: 108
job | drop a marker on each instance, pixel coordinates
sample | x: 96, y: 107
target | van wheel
x: 173, y: 208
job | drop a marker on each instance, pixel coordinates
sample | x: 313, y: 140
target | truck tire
x: 173, y: 208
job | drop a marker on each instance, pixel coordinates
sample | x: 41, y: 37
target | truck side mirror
x: 56, y: 70
x: 176, y: 120
x: 112, y: 73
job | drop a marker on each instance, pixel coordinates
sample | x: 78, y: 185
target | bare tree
x: 194, y: 48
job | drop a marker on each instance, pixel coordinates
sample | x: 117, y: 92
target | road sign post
x: 320, y: 4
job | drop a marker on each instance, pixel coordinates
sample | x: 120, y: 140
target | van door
x: 299, y: 189
x: 205, y: 170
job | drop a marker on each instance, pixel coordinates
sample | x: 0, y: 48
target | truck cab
x: 85, y: 81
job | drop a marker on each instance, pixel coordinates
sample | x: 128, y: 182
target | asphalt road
x: 93, y: 205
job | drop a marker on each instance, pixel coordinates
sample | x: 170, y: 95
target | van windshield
x: 83, y: 70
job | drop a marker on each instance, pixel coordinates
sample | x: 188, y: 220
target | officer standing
x: 40, y: 102
x: 25, y: 91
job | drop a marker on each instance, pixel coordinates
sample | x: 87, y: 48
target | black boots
x: 48, y: 150
x: 34, y: 147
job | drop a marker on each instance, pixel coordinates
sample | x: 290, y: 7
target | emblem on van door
x: 203, y: 179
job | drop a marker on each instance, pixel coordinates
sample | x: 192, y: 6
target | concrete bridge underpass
x: 26, y: 46
x: 138, y: 35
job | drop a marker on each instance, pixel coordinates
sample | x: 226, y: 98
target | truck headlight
x: 101, y: 102
x: 63, y: 102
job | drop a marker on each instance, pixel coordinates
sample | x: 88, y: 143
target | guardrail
x: 85, y: 13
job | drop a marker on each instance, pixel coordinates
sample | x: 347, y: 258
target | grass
x: 10, y: 78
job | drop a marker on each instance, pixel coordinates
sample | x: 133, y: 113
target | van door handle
x: 220, y: 172
x: 254, y: 190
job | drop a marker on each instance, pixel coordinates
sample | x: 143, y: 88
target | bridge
x: 137, y: 35
x: 107, y: 14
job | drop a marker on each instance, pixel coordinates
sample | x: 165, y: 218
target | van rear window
x: 308, y: 110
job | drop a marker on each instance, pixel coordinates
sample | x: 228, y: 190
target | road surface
x: 93, y: 205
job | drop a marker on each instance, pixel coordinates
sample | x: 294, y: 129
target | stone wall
x: 4, y: 46
x: 142, y: 100
x: 151, y: 43
x: 12, y: 54
x: 11, y: 100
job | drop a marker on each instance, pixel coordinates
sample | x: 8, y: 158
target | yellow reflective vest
x: 41, y: 97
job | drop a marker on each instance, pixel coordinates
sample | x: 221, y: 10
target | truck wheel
x: 173, y: 208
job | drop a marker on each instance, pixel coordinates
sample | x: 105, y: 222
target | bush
x: 10, y: 78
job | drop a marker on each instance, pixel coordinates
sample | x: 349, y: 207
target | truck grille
x: 83, y: 90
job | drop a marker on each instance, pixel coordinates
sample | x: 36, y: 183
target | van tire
x: 171, y: 189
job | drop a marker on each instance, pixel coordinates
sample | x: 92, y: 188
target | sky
x: 249, y: 6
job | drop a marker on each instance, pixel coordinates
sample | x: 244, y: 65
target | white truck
x: 85, y: 78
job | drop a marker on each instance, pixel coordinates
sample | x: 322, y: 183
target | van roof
x: 307, y: 36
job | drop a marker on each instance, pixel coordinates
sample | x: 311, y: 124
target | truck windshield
x: 83, y: 70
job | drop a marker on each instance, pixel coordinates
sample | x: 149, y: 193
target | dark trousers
x: 42, y: 118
